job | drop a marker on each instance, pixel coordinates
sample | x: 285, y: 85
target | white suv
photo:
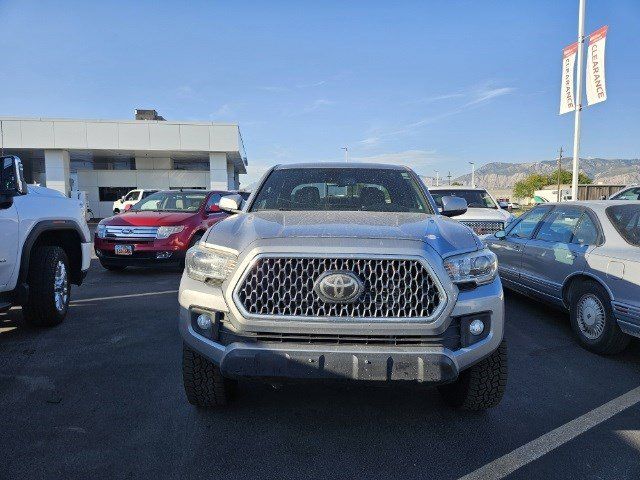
x: 131, y: 198
x: 45, y: 246
x: 483, y: 215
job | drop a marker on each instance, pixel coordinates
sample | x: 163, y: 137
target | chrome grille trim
x: 130, y: 233
x: 343, y: 312
x: 484, y: 227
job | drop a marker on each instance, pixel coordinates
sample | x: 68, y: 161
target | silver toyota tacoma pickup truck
x: 343, y: 271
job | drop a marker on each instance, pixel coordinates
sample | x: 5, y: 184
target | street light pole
x: 473, y: 174
x: 346, y: 153
x: 437, y: 179
x: 576, y: 126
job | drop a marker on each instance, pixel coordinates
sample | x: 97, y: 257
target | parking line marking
x: 509, y: 463
x: 85, y: 300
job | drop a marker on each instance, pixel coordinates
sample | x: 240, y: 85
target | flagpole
x: 576, y: 127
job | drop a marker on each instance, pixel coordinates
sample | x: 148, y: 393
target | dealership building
x: 107, y: 158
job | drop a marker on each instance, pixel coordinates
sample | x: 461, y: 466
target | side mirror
x: 12, y: 176
x: 453, y: 206
x: 500, y: 235
x: 214, y: 209
x: 231, y: 203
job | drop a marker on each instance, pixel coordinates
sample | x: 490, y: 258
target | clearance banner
x: 596, y: 87
x: 567, y: 97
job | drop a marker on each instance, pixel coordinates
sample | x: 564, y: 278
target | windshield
x: 346, y: 189
x: 474, y: 198
x: 171, y: 202
x: 626, y: 220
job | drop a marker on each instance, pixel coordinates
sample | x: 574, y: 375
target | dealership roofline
x: 116, y: 120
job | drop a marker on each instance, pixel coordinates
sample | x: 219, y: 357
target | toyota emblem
x: 338, y: 286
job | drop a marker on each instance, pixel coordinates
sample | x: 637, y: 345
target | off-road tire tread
x: 40, y: 309
x: 204, y: 384
x: 481, y: 386
x: 613, y: 340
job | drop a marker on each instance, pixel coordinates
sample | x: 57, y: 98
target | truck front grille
x: 482, y: 228
x: 393, y: 288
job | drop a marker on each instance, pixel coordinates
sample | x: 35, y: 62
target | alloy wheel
x: 61, y: 287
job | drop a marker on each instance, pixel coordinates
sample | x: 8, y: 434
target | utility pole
x: 559, y: 171
x: 346, y: 153
x: 437, y: 179
x: 449, y: 177
x: 576, y: 126
x: 473, y: 174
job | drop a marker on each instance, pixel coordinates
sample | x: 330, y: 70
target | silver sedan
x: 582, y: 256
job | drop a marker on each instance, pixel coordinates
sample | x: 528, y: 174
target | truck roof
x: 368, y: 166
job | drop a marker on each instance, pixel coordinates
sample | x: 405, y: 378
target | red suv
x: 158, y: 229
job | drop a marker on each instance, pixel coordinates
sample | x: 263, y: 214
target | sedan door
x: 552, y: 256
x: 509, y: 248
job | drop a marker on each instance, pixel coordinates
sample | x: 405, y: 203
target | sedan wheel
x: 591, y: 316
x: 593, y: 320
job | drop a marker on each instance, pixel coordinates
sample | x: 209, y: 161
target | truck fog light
x: 204, y: 321
x: 476, y: 327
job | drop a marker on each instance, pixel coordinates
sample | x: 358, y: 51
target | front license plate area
x: 124, y: 250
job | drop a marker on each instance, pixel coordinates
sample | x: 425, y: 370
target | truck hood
x: 149, y: 219
x: 486, y: 214
x: 442, y: 234
x: 44, y: 191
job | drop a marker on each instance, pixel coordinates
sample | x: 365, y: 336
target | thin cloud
x: 475, y: 98
x: 486, y: 95
x: 319, y: 83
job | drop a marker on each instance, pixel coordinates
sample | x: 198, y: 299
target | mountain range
x: 500, y: 175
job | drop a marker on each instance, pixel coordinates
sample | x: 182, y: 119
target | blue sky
x: 430, y: 84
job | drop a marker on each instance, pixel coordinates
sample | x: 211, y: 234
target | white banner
x: 567, y: 96
x: 596, y: 87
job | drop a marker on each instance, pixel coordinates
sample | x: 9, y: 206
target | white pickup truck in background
x: 45, y: 246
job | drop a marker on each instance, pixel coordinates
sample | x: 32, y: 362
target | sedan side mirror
x: 213, y: 208
x: 231, y: 203
x: 453, y: 206
x: 500, y: 235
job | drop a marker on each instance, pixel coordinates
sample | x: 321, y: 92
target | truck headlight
x: 478, y: 267
x: 209, y: 265
x: 101, y: 231
x: 166, y: 232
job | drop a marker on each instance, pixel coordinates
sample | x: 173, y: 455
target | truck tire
x: 593, y: 321
x: 480, y: 386
x: 204, y: 384
x: 111, y: 267
x: 49, y: 288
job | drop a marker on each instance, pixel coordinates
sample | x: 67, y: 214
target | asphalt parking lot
x: 100, y: 396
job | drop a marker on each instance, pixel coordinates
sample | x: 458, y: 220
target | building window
x: 111, y: 194
x: 183, y: 164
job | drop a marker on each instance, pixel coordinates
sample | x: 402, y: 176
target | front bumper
x: 140, y: 259
x: 382, y: 363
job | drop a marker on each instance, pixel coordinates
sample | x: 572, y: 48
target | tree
x: 456, y: 184
x: 536, y: 181
x: 525, y: 188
